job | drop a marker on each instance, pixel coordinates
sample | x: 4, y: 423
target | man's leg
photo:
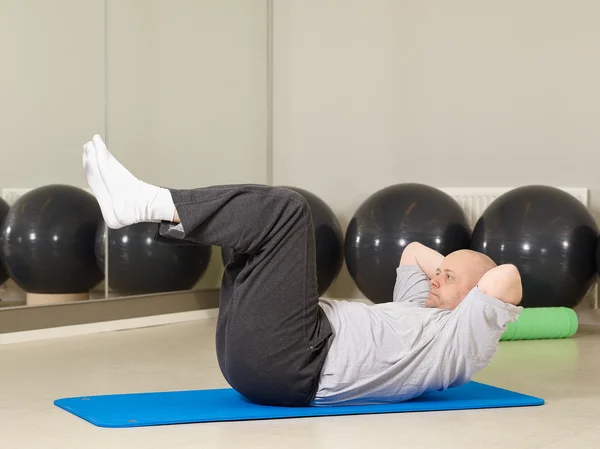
x: 271, y: 332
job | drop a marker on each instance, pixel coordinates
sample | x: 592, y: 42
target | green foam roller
x: 542, y: 323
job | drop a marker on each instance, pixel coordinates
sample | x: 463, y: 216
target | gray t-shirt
x: 396, y: 351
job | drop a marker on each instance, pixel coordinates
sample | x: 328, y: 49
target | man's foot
x: 94, y: 180
x: 130, y: 200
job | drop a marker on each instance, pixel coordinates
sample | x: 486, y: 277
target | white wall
x: 461, y: 93
x: 51, y: 88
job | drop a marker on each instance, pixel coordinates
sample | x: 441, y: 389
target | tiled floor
x: 566, y: 373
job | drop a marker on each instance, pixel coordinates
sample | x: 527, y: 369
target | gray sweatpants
x: 271, y: 332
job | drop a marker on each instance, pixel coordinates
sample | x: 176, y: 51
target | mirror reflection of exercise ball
x: 138, y: 264
x: 329, y: 240
x: 48, y: 243
x: 4, y: 208
x: 390, y: 219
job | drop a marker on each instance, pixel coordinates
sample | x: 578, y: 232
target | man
x: 444, y: 325
x: 277, y: 343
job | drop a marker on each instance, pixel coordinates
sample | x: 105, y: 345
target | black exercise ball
x: 389, y: 220
x: 4, y: 208
x: 138, y: 264
x: 598, y: 256
x: 48, y: 240
x: 329, y: 240
x: 549, y: 235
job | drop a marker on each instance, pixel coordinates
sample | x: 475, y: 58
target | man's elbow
x: 504, y: 283
x: 409, y: 253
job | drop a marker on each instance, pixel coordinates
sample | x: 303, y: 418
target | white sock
x: 133, y: 201
x: 94, y: 180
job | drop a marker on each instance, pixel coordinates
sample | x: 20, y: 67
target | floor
x: 182, y: 356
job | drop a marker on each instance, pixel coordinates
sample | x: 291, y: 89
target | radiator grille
x: 474, y: 200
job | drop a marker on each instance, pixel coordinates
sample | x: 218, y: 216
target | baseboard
x: 95, y: 313
x: 590, y: 317
x: 106, y: 326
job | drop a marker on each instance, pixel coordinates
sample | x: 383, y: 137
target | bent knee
x: 293, y: 198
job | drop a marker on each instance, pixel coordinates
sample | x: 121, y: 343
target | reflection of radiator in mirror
x: 474, y: 200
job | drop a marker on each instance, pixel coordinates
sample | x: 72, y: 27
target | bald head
x: 472, y: 263
x: 459, y: 272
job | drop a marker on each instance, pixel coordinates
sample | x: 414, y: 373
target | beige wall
x: 187, y: 93
x: 187, y: 89
x: 461, y: 93
x: 366, y: 94
x: 51, y: 88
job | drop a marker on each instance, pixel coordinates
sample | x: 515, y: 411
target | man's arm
x: 504, y: 283
x: 426, y: 258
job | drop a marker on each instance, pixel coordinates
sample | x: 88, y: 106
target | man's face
x: 454, y: 279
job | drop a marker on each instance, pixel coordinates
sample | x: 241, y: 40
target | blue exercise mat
x: 197, y: 406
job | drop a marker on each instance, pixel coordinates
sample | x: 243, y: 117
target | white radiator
x: 474, y: 200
